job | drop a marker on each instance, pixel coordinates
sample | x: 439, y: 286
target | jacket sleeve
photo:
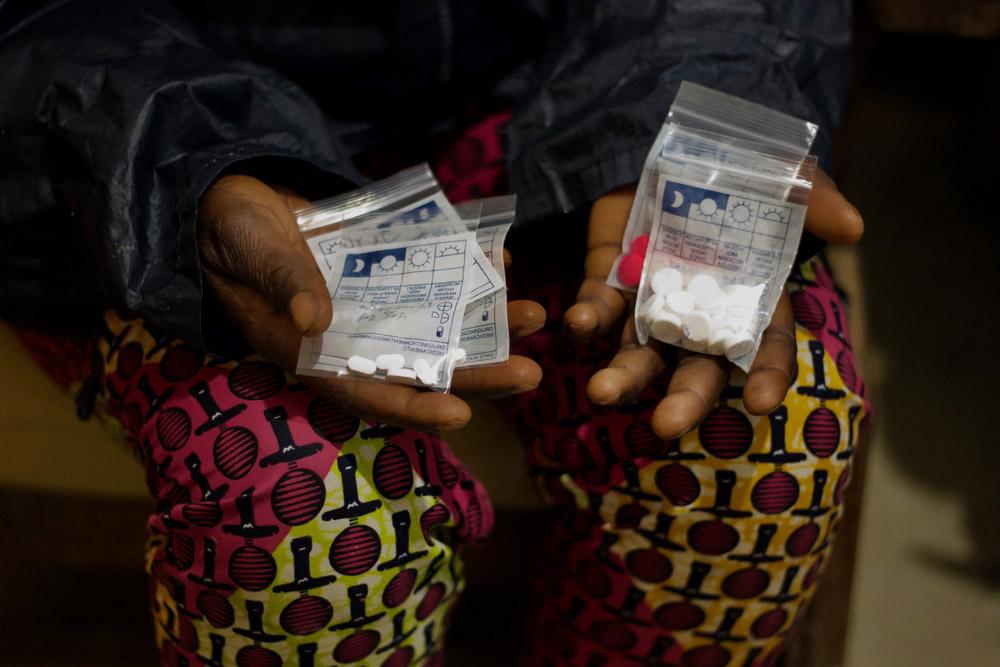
x: 599, y: 97
x: 120, y: 115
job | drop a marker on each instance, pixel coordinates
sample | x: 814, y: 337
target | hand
x: 257, y: 263
x: 696, y: 379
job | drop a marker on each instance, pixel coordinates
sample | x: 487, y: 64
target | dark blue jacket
x: 116, y: 116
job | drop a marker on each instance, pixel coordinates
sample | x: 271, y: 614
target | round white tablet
x: 652, y: 307
x: 401, y: 376
x: 694, y: 345
x: 666, y: 327
x: 458, y: 355
x: 745, y: 294
x: 737, y: 310
x: 358, y: 365
x: 740, y: 319
x: 717, y: 341
x: 738, y: 345
x: 680, y: 302
x: 695, y: 327
x: 702, y: 283
x: 667, y: 280
x: 706, y: 299
x: 426, y: 374
x: 388, y: 362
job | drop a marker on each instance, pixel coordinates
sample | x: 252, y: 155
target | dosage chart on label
x: 727, y: 231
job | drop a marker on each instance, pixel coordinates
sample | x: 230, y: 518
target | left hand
x: 696, y: 380
x: 256, y: 261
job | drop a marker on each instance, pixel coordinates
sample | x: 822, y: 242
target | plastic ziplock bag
x: 485, y: 337
x: 716, y: 222
x: 409, y: 195
x: 377, y: 213
x: 396, y: 308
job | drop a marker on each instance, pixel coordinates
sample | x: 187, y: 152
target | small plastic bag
x: 395, y: 307
x: 410, y: 195
x: 485, y: 338
x: 716, y: 223
x: 377, y: 213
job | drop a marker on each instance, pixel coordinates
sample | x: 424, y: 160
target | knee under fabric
x: 703, y: 550
x: 284, y: 531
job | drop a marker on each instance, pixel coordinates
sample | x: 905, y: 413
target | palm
x: 696, y: 380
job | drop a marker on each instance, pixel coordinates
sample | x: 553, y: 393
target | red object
x: 639, y: 245
x: 630, y: 270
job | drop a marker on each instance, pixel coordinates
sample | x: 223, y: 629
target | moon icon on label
x: 678, y: 199
x: 359, y: 265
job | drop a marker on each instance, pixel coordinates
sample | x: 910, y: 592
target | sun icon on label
x: 419, y: 258
x: 449, y: 250
x: 708, y: 207
x: 387, y: 264
x: 773, y: 214
x: 740, y: 214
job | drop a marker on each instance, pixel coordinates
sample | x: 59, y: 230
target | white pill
x: 667, y: 280
x: 738, y: 345
x: 389, y: 362
x: 666, y: 326
x: 740, y: 319
x: 745, y: 294
x: 652, y: 307
x: 695, y: 327
x: 401, y: 375
x: 680, y: 302
x: 706, y: 299
x: 717, y: 341
x: 701, y: 284
x: 458, y: 355
x: 717, y: 312
x: 426, y: 374
x: 739, y: 311
x: 358, y: 365
x: 740, y: 325
x: 694, y: 345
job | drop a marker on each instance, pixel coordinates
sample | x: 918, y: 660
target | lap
x: 282, y: 528
x: 706, y: 548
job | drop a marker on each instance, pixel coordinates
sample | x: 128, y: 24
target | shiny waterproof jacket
x: 116, y: 116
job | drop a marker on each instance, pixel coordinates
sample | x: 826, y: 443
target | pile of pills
x: 700, y: 315
x: 394, y: 367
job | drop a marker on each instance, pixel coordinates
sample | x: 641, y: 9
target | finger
x: 293, y: 199
x: 830, y: 216
x: 773, y: 369
x: 608, y: 218
x: 515, y: 376
x: 393, y: 404
x: 269, y: 333
x: 694, y: 388
x: 248, y: 234
x: 524, y: 318
x: 598, y: 307
x: 631, y: 370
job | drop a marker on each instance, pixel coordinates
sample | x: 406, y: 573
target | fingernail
x: 303, y: 309
x: 521, y: 388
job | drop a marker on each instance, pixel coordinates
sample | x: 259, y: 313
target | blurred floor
x: 919, y: 161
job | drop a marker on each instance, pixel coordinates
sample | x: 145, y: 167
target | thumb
x: 248, y: 235
x: 830, y: 216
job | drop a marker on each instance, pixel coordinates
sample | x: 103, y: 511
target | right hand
x: 256, y: 261
x: 695, y: 380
